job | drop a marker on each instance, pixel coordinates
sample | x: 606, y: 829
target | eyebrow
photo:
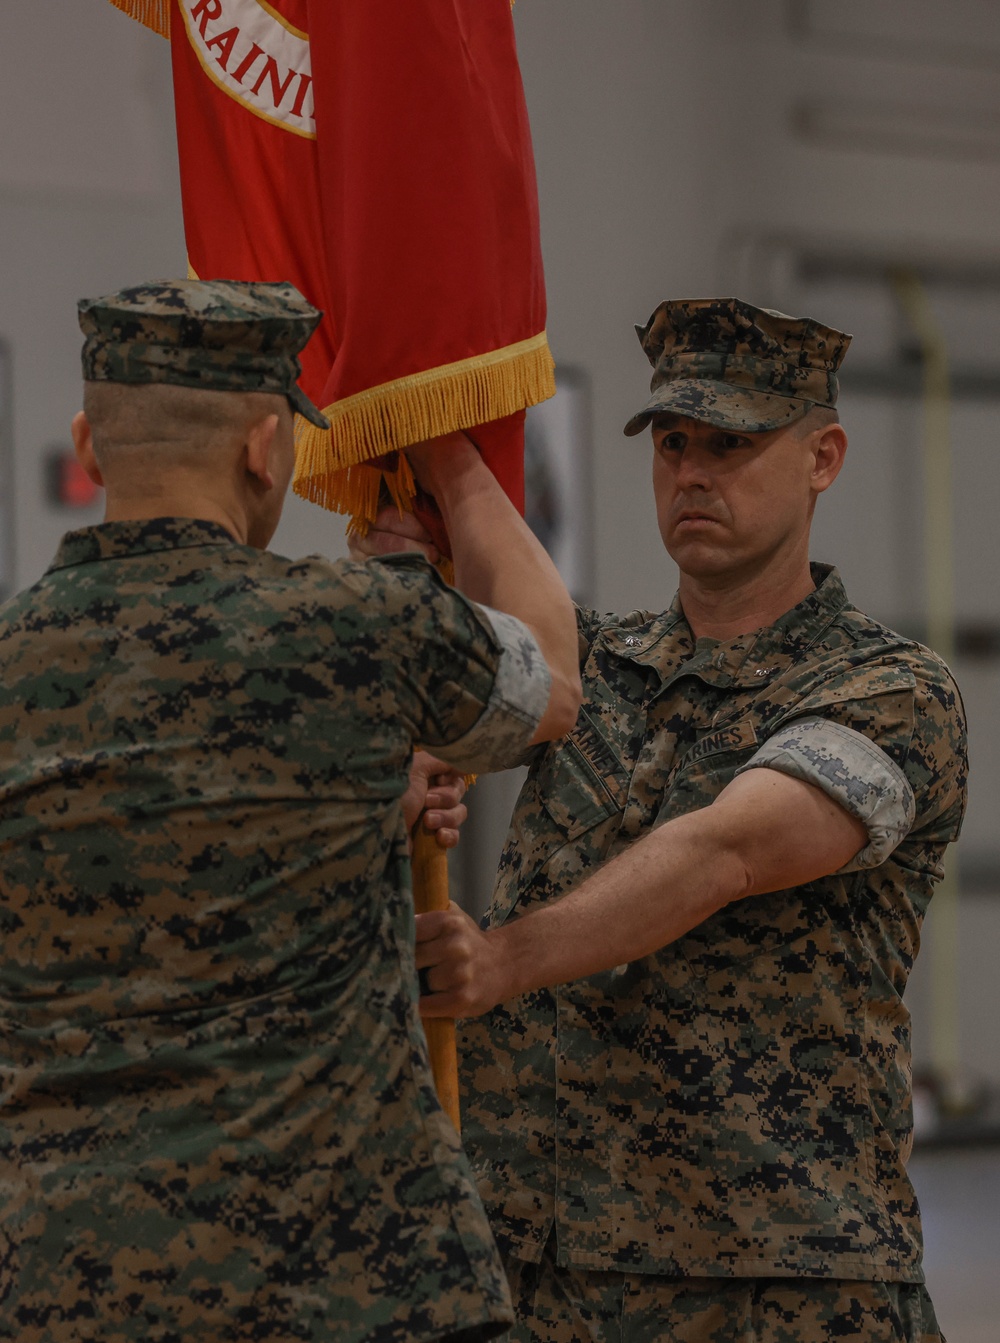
x: 670, y: 422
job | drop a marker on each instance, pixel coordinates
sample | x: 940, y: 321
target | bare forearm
x: 499, y: 562
x: 766, y: 831
x: 647, y: 897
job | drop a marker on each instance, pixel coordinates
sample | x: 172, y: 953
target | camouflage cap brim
x: 304, y: 407
x: 739, y: 409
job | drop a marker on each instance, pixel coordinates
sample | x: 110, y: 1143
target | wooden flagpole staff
x: 430, y: 891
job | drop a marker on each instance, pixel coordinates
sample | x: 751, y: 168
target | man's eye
x: 674, y: 442
x: 729, y: 442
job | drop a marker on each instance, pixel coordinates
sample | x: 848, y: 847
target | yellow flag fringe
x: 154, y: 14
x: 410, y: 410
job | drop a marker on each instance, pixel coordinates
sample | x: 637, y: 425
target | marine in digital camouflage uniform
x: 707, y: 1140
x: 217, y: 1120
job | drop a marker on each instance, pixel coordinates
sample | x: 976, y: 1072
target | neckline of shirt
x: 123, y: 540
x: 748, y: 658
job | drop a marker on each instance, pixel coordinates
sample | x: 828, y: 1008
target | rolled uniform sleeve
x: 852, y: 770
x: 886, y: 740
x: 469, y: 683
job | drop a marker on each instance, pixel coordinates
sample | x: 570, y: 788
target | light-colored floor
x: 959, y: 1194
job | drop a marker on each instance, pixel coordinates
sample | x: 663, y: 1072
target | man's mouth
x: 694, y: 515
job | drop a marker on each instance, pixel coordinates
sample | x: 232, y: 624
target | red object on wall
x: 67, y: 484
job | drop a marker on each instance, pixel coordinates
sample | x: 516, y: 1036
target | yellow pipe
x: 940, y: 586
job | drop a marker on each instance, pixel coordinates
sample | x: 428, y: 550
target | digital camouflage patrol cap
x: 736, y: 366
x: 215, y: 335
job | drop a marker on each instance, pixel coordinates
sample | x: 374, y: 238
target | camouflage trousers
x: 570, y: 1305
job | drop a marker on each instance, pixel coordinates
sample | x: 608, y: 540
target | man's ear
x: 828, y: 447
x: 260, y: 445
x: 83, y: 446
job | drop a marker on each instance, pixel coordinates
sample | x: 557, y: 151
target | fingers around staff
x: 445, y: 812
x: 454, y: 959
x: 434, y: 786
x: 444, y: 953
x: 391, y: 533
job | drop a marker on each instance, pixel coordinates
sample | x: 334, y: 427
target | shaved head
x: 157, y: 425
x: 165, y: 451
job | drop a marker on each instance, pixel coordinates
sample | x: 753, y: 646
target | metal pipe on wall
x: 8, y: 553
x: 939, y: 547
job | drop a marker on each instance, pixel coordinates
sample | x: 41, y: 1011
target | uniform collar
x: 118, y: 540
x: 665, y: 642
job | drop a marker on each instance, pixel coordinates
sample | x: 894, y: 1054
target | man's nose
x: 693, y: 469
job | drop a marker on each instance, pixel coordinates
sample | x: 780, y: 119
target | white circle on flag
x: 257, y: 57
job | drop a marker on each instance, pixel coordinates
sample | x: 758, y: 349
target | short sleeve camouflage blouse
x: 216, y: 1115
x: 737, y: 1103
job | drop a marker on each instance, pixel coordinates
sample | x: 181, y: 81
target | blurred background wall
x: 822, y: 158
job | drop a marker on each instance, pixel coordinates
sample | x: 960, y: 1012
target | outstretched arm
x: 766, y: 831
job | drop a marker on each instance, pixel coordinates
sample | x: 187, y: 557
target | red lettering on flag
x: 246, y: 64
x: 305, y: 82
x: 278, y: 91
x: 205, y: 10
x: 225, y: 42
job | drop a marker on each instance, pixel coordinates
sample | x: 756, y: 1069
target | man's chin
x: 700, y: 559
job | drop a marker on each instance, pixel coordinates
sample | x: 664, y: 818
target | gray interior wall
x: 88, y: 202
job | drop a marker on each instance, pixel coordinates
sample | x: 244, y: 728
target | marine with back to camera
x: 217, y: 1119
